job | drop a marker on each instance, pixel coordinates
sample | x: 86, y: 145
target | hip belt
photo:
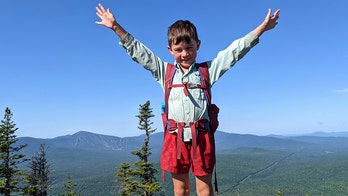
x: 199, y: 125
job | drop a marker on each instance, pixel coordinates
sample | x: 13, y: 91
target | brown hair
x: 182, y: 30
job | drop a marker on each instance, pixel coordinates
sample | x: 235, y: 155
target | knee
x: 182, y: 191
x: 204, y: 186
x: 205, y: 191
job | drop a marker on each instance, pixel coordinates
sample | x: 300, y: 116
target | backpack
x: 213, y: 110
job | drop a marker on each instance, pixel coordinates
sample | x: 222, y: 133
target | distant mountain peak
x: 82, y: 133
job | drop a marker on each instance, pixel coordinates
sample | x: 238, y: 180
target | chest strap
x: 186, y: 86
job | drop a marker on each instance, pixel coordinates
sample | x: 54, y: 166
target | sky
x: 60, y: 73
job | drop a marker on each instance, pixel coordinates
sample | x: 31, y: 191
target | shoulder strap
x: 170, y: 71
x: 205, y: 80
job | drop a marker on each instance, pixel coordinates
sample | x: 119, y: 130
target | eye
x: 178, y: 50
x: 189, y: 48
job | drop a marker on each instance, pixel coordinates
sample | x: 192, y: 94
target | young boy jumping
x: 186, y: 106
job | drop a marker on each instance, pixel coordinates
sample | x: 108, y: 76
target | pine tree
x: 69, y: 187
x: 124, y: 175
x: 279, y: 193
x: 38, y: 175
x: 140, y: 180
x: 10, y: 174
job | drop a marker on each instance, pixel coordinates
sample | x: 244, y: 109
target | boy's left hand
x: 271, y: 21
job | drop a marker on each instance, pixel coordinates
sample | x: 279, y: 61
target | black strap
x: 216, y: 182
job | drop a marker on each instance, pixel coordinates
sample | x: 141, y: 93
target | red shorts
x: 205, y: 155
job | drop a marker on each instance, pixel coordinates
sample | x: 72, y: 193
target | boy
x: 190, y: 106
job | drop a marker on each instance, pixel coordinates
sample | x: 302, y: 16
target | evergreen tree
x: 279, y: 193
x: 10, y: 174
x: 141, y: 180
x: 38, y: 176
x: 69, y: 187
x: 124, y: 175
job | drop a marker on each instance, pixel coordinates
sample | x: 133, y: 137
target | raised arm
x: 108, y: 20
x: 269, y: 23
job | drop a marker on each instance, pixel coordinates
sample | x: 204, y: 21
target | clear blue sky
x: 61, y: 73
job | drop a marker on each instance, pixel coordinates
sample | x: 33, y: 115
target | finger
x: 99, y: 14
x: 276, y: 14
x: 268, y: 16
x: 102, y: 7
x: 269, y: 12
x: 98, y: 10
x: 99, y: 23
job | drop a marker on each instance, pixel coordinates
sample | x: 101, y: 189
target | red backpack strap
x: 170, y: 71
x: 205, y: 80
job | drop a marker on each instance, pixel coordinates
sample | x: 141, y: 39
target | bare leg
x: 181, y: 184
x: 204, y: 185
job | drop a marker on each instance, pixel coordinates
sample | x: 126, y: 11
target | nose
x: 185, y: 53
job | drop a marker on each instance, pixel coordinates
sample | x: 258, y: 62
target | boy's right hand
x: 107, y: 18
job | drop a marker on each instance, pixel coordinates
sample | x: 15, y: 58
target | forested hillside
x: 246, y: 164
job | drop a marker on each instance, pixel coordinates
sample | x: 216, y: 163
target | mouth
x: 185, y: 63
x: 185, y: 60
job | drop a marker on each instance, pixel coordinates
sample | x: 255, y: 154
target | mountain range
x: 93, y: 158
x: 225, y: 142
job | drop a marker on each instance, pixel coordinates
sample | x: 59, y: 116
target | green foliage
x: 10, y: 175
x: 141, y: 179
x: 69, y: 187
x: 124, y: 175
x: 279, y: 193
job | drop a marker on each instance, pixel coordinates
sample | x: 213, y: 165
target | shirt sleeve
x: 145, y: 57
x: 225, y: 59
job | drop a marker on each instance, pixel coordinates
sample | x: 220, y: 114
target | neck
x: 183, y: 69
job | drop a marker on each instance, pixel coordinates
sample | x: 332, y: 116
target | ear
x: 170, y: 50
x: 198, y: 44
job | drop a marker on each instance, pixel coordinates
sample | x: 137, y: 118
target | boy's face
x: 184, y: 53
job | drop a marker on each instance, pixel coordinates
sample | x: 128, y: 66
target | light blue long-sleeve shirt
x: 182, y: 108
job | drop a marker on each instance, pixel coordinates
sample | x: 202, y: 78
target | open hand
x: 107, y: 18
